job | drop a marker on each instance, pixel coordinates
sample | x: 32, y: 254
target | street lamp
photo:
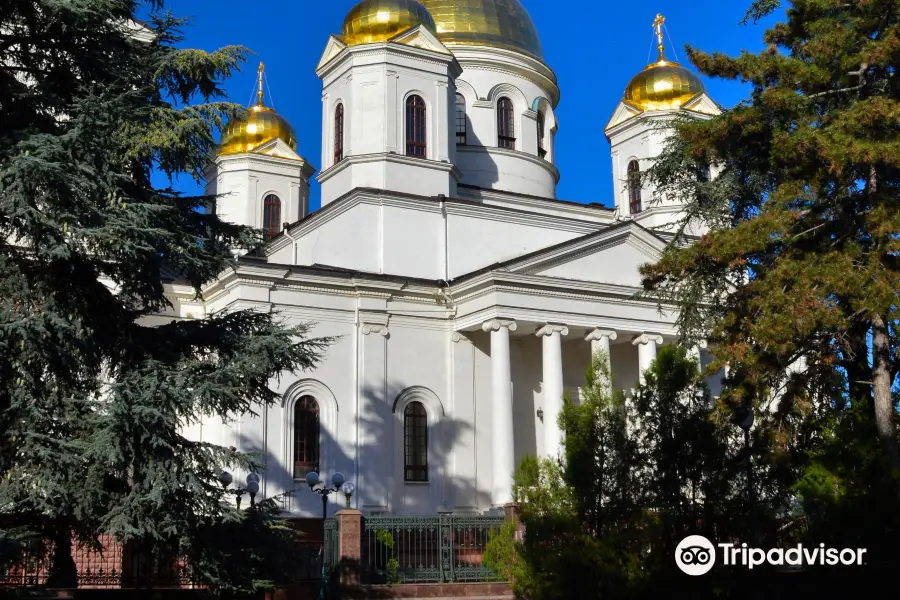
x: 318, y: 486
x: 339, y: 483
x: 745, y: 419
x: 251, y: 488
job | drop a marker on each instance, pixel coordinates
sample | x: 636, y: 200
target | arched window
x: 461, y: 126
x: 306, y: 437
x: 506, y: 124
x: 272, y: 215
x: 415, y: 127
x: 415, y: 442
x: 634, y: 188
x: 338, y: 133
x: 541, y: 127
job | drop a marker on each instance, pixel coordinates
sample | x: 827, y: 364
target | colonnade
x: 551, y: 334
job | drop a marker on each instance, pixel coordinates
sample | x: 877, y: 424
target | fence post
x: 448, y: 552
x: 350, y: 542
x: 511, y: 511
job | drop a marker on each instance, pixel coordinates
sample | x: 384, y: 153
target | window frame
x: 338, y: 132
x: 416, y: 119
x: 462, y: 125
x: 272, y: 229
x: 308, y: 407
x: 415, y: 443
x: 635, y: 187
x: 506, y: 123
x: 541, y: 135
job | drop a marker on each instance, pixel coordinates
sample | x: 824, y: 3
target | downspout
x: 356, y: 385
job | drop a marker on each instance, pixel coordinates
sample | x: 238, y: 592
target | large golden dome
x: 497, y: 23
x: 373, y: 21
x: 663, y: 85
x: 262, y: 125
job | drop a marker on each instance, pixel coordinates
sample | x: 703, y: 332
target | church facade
x: 465, y: 299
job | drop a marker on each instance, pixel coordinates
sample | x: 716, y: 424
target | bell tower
x: 388, y: 89
x: 639, y: 129
x: 257, y: 176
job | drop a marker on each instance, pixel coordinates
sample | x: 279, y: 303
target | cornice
x: 401, y: 159
x: 388, y: 50
x: 530, y: 158
x: 508, y: 61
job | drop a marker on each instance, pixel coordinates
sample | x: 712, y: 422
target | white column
x: 600, y: 342
x: 504, y: 462
x: 553, y: 386
x: 695, y: 351
x: 647, y: 344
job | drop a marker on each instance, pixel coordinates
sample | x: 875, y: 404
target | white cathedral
x: 466, y: 299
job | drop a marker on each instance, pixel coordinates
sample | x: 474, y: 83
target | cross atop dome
x: 658, y: 23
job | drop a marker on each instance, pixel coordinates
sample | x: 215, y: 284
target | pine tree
x: 801, y: 263
x: 93, y: 396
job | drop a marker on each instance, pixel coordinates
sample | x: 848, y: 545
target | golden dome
x: 373, y: 21
x: 497, y: 23
x: 262, y: 125
x: 663, y: 85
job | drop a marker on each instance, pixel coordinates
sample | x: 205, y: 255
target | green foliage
x: 95, y: 387
x: 802, y: 257
x: 392, y: 566
x: 243, y: 552
x: 604, y: 522
x: 501, y: 553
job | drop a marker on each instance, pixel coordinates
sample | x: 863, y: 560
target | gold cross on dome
x: 259, y: 92
x: 658, y: 26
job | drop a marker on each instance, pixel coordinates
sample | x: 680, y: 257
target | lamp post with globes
x: 252, y: 487
x: 339, y: 483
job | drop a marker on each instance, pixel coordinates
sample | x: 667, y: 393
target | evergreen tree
x: 93, y: 394
x: 801, y: 263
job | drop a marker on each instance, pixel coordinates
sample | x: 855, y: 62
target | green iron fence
x: 445, y: 548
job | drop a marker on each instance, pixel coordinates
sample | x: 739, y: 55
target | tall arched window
x: 634, y: 188
x: 272, y: 215
x: 415, y: 127
x: 541, y: 128
x: 506, y: 124
x: 338, y: 133
x: 461, y: 126
x: 306, y: 437
x: 415, y: 442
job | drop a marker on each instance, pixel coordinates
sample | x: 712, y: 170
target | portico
x: 533, y: 367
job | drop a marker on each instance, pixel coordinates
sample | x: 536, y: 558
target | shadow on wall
x: 380, y: 480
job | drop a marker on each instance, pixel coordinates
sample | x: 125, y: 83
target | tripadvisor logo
x: 696, y: 555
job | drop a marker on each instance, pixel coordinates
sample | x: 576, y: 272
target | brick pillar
x: 512, y: 514
x: 350, y: 529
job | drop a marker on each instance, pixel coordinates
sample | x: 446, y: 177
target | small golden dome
x: 495, y: 23
x: 262, y: 125
x: 663, y: 85
x: 373, y: 21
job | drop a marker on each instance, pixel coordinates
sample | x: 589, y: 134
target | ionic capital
x: 647, y: 338
x: 599, y: 334
x: 551, y: 329
x: 498, y: 324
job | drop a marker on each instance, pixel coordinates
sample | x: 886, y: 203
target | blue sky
x: 594, y: 48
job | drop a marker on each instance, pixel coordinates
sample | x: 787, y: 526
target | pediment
x: 334, y: 47
x: 613, y: 256
x: 703, y: 104
x: 420, y: 37
x: 277, y: 148
x: 622, y: 113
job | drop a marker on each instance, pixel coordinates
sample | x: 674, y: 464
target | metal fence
x: 446, y: 548
x: 115, y: 567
